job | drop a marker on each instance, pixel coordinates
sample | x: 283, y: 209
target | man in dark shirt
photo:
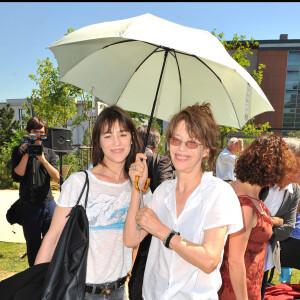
x: 160, y: 168
x: 33, y: 173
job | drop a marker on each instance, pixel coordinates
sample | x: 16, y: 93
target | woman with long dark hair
x: 115, y: 143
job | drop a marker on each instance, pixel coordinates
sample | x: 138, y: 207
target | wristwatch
x: 168, y: 237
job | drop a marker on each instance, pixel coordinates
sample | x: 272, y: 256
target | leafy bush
x: 73, y: 160
x: 6, y: 180
x: 16, y: 185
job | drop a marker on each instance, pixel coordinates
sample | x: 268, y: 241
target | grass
x: 10, y: 262
x: 295, y: 278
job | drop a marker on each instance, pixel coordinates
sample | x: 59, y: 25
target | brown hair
x: 154, y: 135
x: 36, y: 123
x: 108, y: 117
x: 265, y: 162
x: 200, y: 124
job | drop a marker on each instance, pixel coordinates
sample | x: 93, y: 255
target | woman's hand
x: 149, y: 221
x: 139, y: 168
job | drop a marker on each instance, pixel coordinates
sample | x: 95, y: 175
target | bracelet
x: 168, y: 238
x: 136, y: 184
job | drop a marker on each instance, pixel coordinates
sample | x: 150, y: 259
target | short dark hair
x: 108, y: 117
x: 200, y: 124
x: 265, y: 162
x: 153, y: 138
x: 36, y: 123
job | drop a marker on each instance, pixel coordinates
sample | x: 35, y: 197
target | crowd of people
x: 196, y: 236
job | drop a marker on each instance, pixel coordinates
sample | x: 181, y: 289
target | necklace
x: 118, y: 178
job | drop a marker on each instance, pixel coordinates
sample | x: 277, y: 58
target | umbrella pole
x: 155, y: 99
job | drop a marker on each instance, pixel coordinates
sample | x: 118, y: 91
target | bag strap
x: 86, y: 184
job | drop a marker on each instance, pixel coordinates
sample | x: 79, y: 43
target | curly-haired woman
x: 265, y: 162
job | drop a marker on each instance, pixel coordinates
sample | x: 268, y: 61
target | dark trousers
x: 137, y: 274
x: 36, y: 222
x: 266, y: 282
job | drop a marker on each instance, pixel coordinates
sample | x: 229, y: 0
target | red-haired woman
x: 265, y: 162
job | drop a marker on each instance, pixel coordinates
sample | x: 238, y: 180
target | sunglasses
x: 189, y: 144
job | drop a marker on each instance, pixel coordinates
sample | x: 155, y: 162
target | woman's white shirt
x: 168, y: 276
x: 108, y: 258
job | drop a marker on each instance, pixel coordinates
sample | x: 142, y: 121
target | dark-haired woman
x: 265, y: 162
x: 189, y: 217
x: 115, y: 143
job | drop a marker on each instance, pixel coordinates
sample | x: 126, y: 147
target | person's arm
x: 52, y: 236
x: 70, y: 191
x: 52, y: 171
x: 277, y: 221
x: 241, y: 145
x: 238, y: 242
x: 289, y: 218
x: 228, y: 159
x: 19, y: 163
x: 131, y: 235
x: 205, y: 256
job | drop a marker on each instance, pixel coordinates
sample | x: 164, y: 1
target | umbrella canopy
x: 131, y: 62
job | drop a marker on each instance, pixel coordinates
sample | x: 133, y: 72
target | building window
x: 22, y: 114
x: 292, y: 90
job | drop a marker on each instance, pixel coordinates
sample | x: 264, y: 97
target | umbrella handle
x: 138, y: 227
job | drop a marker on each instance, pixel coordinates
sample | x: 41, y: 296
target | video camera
x: 32, y: 148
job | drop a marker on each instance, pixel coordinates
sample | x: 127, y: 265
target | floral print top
x: 254, y: 255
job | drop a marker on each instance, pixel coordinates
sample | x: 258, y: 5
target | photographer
x: 33, y: 166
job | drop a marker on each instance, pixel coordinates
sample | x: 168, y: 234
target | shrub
x: 6, y: 180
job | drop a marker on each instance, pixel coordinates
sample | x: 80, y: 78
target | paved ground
x: 7, y: 198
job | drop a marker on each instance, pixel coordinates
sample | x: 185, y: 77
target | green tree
x: 7, y: 125
x: 295, y: 134
x: 53, y: 100
x: 6, y: 180
x: 241, y: 50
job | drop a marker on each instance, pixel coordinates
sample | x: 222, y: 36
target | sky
x: 27, y: 28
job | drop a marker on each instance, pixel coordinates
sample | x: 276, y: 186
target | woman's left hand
x: 149, y: 221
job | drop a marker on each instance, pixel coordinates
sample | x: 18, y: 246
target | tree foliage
x: 7, y: 125
x: 6, y: 180
x: 240, y: 50
x: 53, y: 100
x: 295, y: 134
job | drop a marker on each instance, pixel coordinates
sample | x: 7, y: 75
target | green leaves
x: 5, y: 157
x: 241, y: 50
x: 53, y: 100
x: 7, y: 125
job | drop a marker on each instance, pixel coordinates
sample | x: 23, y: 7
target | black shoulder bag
x: 15, y: 213
x: 65, y: 278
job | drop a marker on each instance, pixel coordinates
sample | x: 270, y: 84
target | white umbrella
x: 144, y: 60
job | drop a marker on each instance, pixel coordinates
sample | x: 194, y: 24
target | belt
x: 106, y: 288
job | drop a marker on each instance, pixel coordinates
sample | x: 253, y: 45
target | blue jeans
x: 118, y: 294
x: 36, y: 222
